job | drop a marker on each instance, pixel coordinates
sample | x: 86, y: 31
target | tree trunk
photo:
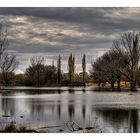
x: 112, y: 86
x: 99, y: 84
x: 38, y: 75
x: 132, y: 85
x: 70, y: 77
x: 59, y: 77
x: 5, y: 76
x: 125, y: 83
x: 133, y: 118
x: 119, y: 82
x: 83, y: 78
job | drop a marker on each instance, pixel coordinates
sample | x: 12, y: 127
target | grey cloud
x: 56, y: 31
x: 91, y: 16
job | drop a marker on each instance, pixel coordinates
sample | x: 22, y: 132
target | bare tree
x: 37, y: 63
x: 129, y: 44
x: 3, y: 39
x: 8, y: 65
x: 8, y: 62
x: 37, y: 60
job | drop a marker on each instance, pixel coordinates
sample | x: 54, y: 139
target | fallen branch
x: 50, y: 126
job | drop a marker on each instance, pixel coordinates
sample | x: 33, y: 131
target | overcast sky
x: 52, y: 31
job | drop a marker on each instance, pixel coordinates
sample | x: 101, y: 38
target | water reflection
x: 83, y: 112
x: 134, y: 120
x: 59, y: 110
x: 71, y: 90
x: 120, y: 120
x: 71, y: 111
x: 55, y: 109
x: 8, y: 106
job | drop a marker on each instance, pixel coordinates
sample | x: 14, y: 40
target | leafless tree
x: 40, y: 74
x: 8, y: 65
x: 37, y: 63
x: 8, y: 62
x: 37, y: 60
x: 129, y: 44
x: 3, y: 39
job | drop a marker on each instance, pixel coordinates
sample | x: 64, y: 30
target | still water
x: 110, y: 111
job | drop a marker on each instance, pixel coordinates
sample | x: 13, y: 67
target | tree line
x: 38, y: 72
x: 120, y: 63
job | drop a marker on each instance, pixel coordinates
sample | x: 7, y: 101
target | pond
x: 35, y: 108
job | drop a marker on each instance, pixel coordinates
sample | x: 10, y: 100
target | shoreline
x: 68, y: 88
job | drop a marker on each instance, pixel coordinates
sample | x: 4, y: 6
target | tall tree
x: 129, y: 44
x: 59, y: 70
x: 71, y: 67
x: 8, y: 62
x: 84, y: 67
x: 3, y: 40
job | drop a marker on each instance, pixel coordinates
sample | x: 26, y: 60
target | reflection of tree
x: 59, y: 91
x: 115, y: 118
x: 71, y: 111
x: 36, y: 108
x: 71, y: 105
x: 71, y: 90
x: 8, y: 105
x: 59, y: 110
x: 133, y: 118
x: 84, y: 112
x: 52, y: 108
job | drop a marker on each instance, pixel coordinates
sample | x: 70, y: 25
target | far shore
x: 61, y: 88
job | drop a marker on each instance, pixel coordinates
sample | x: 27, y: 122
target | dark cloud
x: 53, y: 31
x: 92, y: 16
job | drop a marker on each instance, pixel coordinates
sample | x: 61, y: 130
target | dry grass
x: 13, y: 128
x: 122, y: 84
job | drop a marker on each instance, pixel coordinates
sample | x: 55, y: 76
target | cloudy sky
x: 52, y: 31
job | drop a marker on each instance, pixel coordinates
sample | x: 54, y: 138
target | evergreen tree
x: 59, y: 70
x: 84, y: 67
x: 71, y: 67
